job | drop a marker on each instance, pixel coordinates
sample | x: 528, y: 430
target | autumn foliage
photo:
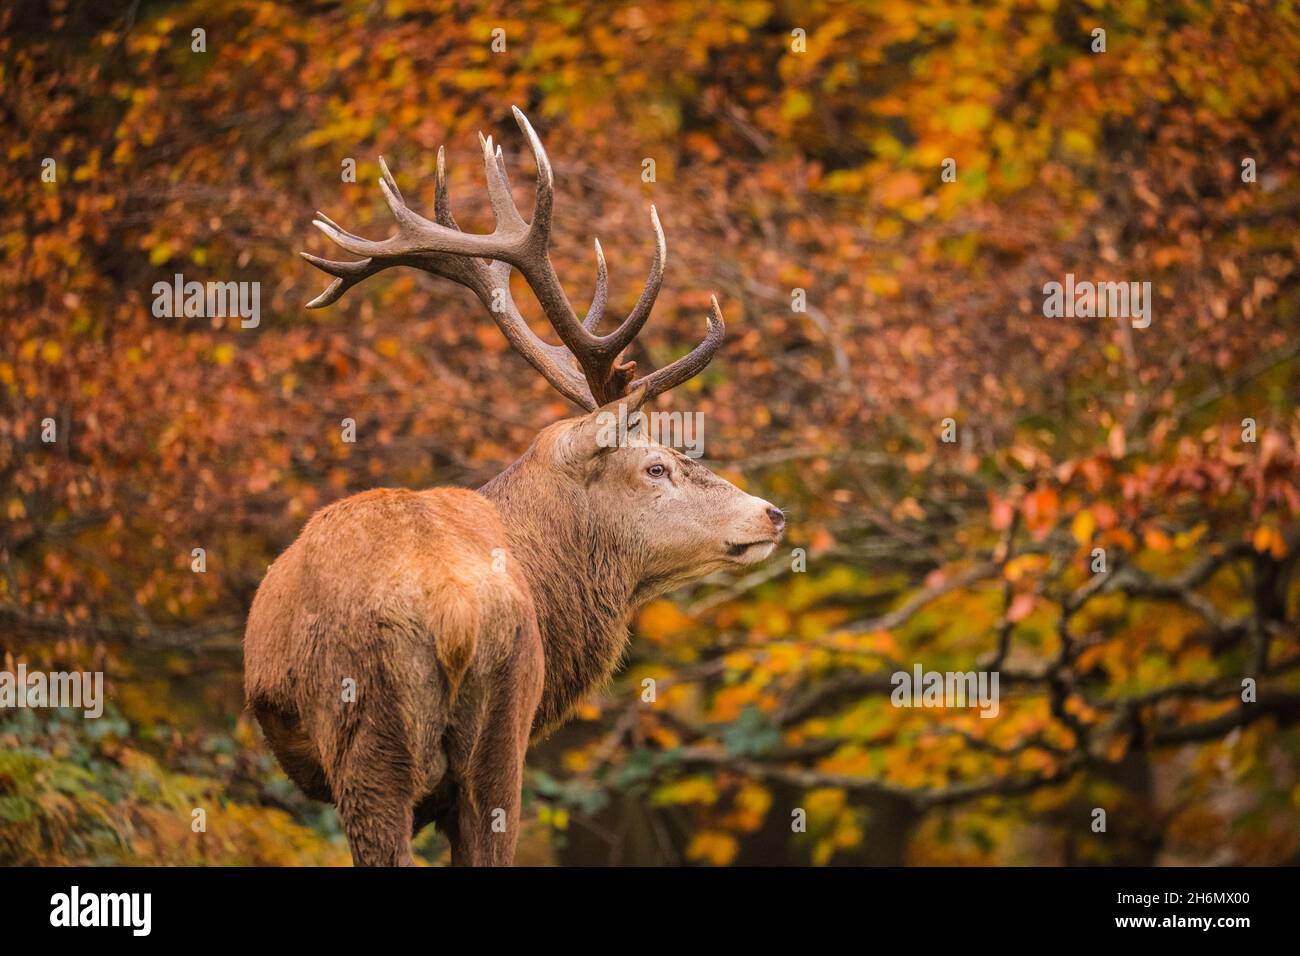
x: 776, y: 170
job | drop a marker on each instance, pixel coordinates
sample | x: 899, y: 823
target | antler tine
x: 691, y: 364
x: 441, y: 198
x: 616, y: 341
x: 544, y: 200
x: 407, y: 219
x: 347, y: 275
x: 336, y: 232
x: 389, y: 184
x: 503, y: 205
x: 600, y: 298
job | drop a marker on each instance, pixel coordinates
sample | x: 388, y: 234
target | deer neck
x: 583, y: 584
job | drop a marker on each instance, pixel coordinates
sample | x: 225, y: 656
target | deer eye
x: 656, y: 470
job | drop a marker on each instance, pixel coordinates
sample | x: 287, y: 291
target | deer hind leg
x: 372, y: 773
x: 484, y: 825
x: 375, y: 796
x: 485, y: 831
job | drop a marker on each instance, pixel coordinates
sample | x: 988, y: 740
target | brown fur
x: 457, y: 660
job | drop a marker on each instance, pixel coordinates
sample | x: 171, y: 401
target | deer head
x: 660, y: 517
x: 671, y: 513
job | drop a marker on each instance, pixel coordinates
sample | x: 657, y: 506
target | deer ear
x: 605, y: 428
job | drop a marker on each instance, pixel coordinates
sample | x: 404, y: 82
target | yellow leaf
x: 1269, y: 539
x: 1083, y: 526
x: 967, y: 117
x: 797, y: 104
x: 1077, y: 141
x: 719, y: 849
x: 699, y: 790
x: 1026, y: 564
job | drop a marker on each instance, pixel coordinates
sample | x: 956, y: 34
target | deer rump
x: 393, y: 660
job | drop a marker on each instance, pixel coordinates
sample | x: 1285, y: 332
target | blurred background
x: 798, y: 151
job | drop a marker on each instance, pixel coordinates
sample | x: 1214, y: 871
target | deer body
x: 403, y: 651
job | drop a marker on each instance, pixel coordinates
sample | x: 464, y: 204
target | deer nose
x: 776, y: 516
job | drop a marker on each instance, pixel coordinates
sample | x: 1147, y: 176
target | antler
x: 482, y: 263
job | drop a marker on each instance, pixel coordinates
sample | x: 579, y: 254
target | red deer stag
x: 403, y: 651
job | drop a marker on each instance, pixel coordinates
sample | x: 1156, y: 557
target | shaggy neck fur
x: 584, y: 580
